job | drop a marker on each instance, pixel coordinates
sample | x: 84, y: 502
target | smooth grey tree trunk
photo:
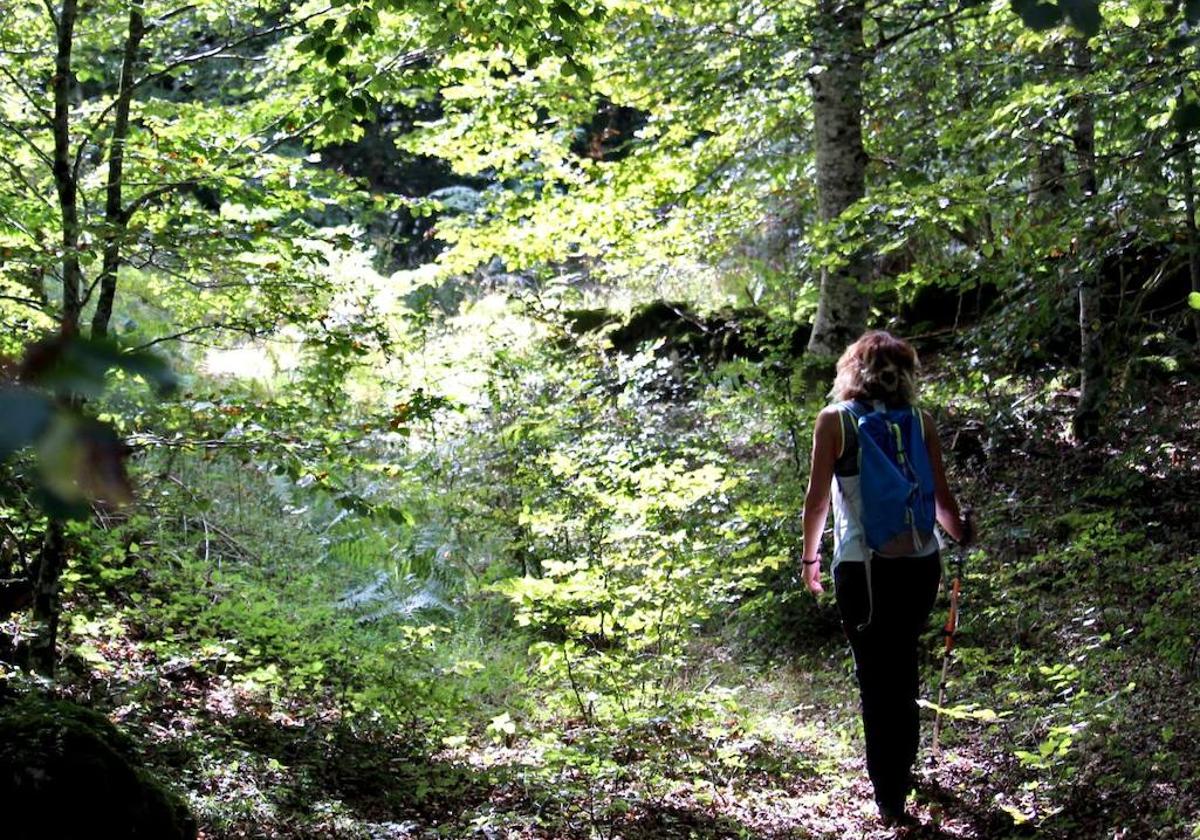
x: 836, y: 79
x: 1093, y: 362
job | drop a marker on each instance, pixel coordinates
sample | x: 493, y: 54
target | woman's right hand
x: 812, y: 576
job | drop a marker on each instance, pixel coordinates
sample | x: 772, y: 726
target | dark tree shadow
x: 952, y: 806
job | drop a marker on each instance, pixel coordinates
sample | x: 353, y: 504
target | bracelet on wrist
x: 812, y: 562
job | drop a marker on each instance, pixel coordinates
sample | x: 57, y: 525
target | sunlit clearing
x: 250, y: 361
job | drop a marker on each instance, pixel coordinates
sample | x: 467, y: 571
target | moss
x: 67, y: 772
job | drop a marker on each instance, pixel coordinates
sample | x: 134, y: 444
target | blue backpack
x: 895, y: 478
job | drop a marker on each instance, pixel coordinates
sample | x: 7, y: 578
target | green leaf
x: 566, y: 13
x: 1084, y: 15
x: 571, y: 67
x: 1018, y: 816
x: 335, y: 54
x: 1038, y: 16
x: 968, y: 711
x: 1194, y: 300
x: 400, y: 516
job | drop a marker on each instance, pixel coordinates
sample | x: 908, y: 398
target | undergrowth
x: 571, y: 609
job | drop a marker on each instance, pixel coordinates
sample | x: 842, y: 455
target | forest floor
x: 1075, y: 712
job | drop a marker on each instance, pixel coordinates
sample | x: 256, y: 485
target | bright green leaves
x: 535, y: 30
x: 502, y: 728
x: 965, y: 711
x: 646, y: 151
x: 1194, y: 300
x: 623, y: 537
x: 331, y: 43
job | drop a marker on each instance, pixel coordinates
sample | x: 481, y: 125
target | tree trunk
x: 50, y: 565
x: 54, y: 545
x: 1048, y: 182
x: 64, y: 174
x: 966, y: 84
x: 1093, y: 379
x: 836, y: 78
x: 115, y: 217
x: 1153, y: 178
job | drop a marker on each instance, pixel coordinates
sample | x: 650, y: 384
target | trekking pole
x: 951, y: 628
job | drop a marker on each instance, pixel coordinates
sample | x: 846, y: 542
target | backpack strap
x: 846, y: 463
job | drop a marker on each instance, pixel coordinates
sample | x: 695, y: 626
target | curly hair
x: 879, y: 366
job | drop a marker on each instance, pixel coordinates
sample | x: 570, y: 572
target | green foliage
x: 625, y: 572
x: 279, y: 627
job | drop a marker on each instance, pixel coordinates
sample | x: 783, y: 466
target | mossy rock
x: 66, y: 772
x: 715, y: 337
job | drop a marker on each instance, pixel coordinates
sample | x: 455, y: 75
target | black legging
x: 885, y: 660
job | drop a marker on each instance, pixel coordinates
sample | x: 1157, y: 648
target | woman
x: 882, y: 612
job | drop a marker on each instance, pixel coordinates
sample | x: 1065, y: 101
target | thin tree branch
x: 36, y: 240
x: 42, y: 112
x: 115, y: 217
x: 45, y: 158
x: 247, y: 329
x: 32, y: 303
x: 884, y: 42
x: 204, y: 55
x: 50, y: 11
x: 400, y: 62
x: 19, y: 175
x: 145, y: 198
x: 163, y: 18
